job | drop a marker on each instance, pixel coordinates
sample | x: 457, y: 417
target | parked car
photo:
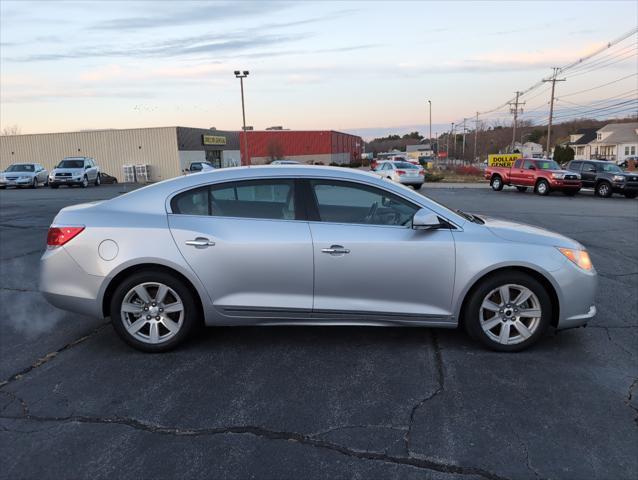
x: 605, y: 178
x: 402, y: 172
x: 540, y: 174
x: 309, y: 245
x: 105, y: 178
x: 75, y: 171
x: 628, y: 162
x: 24, y: 175
x: 196, y: 167
x: 285, y: 162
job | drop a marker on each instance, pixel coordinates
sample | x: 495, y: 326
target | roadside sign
x: 503, y: 160
x: 442, y: 154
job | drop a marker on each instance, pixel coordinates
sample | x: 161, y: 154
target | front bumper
x: 64, y: 284
x: 565, y: 184
x: 21, y: 182
x: 65, y: 181
x: 576, y: 293
x: 624, y: 187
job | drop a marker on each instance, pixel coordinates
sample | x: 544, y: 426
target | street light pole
x: 241, y: 76
x: 431, y: 147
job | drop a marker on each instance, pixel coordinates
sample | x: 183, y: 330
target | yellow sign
x: 503, y: 160
x: 213, y: 140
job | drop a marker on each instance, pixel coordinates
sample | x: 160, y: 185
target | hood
x: 632, y: 175
x: 17, y: 174
x: 523, y: 233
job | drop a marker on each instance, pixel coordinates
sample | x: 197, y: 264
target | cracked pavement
x: 321, y: 402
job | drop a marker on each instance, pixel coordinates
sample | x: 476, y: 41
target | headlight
x: 618, y: 178
x: 25, y: 177
x: 559, y: 176
x: 579, y: 257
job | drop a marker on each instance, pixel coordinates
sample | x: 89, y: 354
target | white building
x: 615, y: 142
x: 529, y: 149
x: 580, y: 143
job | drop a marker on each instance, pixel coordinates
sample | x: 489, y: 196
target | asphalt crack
x: 630, y: 396
x: 269, y: 434
x: 51, y: 355
x: 23, y: 290
x: 440, y: 375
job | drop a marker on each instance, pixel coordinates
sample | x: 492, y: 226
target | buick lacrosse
x: 300, y: 245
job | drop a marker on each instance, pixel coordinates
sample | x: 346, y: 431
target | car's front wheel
x: 97, y: 180
x: 508, y: 311
x: 85, y: 182
x: 603, y: 189
x: 542, y: 187
x: 153, y: 311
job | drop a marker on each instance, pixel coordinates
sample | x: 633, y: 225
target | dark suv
x: 605, y: 177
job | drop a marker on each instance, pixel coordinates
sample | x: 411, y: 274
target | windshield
x: 71, y: 164
x: 20, y: 168
x: 547, y: 165
x: 404, y: 165
x: 609, y: 167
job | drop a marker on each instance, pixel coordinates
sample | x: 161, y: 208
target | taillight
x: 400, y: 172
x: 421, y: 172
x: 58, y: 236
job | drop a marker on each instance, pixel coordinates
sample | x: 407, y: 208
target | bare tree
x: 11, y: 130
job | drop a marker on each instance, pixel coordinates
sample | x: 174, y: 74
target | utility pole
x: 241, y: 76
x: 464, y: 139
x: 454, y: 140
x: 476, y: 122
x: 515, y: 110
x: 553, y: 79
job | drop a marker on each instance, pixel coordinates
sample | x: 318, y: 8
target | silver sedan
x: 306, y: 245
x: 24, y: 175
x: 405, y: 173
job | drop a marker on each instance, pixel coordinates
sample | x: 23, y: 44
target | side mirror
x: 425, y: 219
x: 531, y: 167
x: 86, y: 167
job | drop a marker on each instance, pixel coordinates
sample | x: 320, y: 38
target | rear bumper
x: 411, y: 180
x: 64, y: 284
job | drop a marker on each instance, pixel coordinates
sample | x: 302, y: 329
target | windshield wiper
x: 470, y: 217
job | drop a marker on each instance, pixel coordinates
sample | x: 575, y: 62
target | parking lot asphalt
x: 322, y: 402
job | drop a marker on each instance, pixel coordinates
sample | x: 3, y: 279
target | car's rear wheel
x: 631, y: 194
x: 153, y: 311
x: 417, y: 186
x: 542, y: 187
x: 521, y: 189
x: 497, y: 183
x: 508, y: 311
x: 603, y: 189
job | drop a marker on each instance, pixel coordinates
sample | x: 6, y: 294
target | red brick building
x: 325, y: 146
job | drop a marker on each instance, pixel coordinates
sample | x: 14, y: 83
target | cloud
x: 60, y: 93
x: 203, y: 13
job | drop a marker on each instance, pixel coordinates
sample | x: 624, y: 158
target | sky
x: 361, y: 67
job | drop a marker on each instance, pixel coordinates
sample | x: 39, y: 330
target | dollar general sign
x: 503, y: 160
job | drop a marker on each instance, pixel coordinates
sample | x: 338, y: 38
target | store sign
x: 503, y: 160
x: 213, y: 140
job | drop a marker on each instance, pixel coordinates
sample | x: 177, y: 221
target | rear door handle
x: 335, y: 250
x: 200, y: 242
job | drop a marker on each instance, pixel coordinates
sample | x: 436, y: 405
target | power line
x: 604, y: 58
x: 599, y: 86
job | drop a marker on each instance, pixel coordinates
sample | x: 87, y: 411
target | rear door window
x: 265, y: 199
x: 528, y: 164
x: 517, y: 163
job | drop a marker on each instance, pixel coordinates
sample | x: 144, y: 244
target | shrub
x: 433, y: 177
x: 467, y: 170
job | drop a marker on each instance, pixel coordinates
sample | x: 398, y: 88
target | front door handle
x: 335, y: 250
x: 200, y: 242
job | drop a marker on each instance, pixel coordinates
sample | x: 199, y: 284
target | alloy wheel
x: 152, y: 312
x: 510, y: 314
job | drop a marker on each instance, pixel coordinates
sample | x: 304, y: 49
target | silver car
x: 308, y: 245
x: 80, y: 171
x: 24, y: 175
x: 405, y: 173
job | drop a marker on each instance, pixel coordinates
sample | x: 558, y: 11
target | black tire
x: 604, y: 190
x: 471, y: 311
x: 51, y: 185
x: 85, y: 182
x: 34, y: 184
x: 417, y: 186
x: 521, y: 189
x: 542, y: 187
x: 570, y: 193
x: 496, y: 183
x: 631, y: 194
x: 97, y: 180
x: 191, y: 311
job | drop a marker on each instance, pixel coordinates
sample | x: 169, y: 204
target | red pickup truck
x: 541, y: 174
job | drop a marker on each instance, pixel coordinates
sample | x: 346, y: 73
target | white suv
x: 75, y: 171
